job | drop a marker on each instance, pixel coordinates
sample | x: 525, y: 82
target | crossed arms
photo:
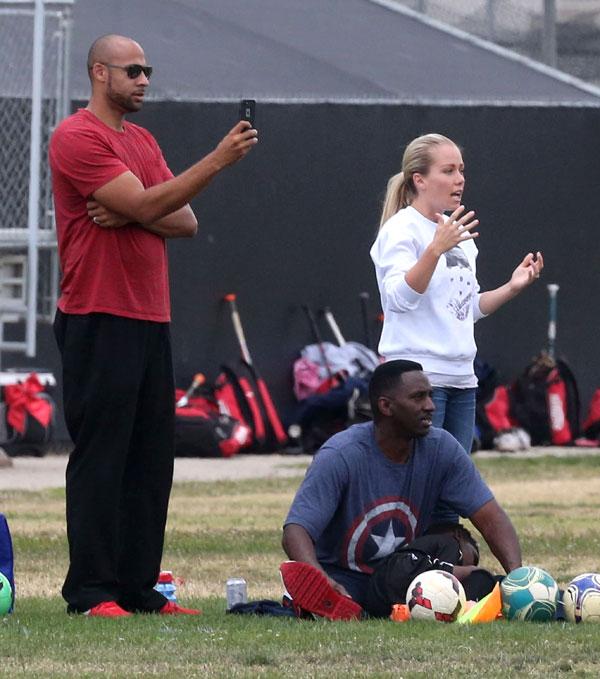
x: 164, y: 208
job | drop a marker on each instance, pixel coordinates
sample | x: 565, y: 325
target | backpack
x: 238, y: 398
x: 591, y: 425
x: 353, y: 359
x: 243, y: 394
x: 493, y: 418
x: 490, y: 411
x: 545, y: 402
x: 28, y: 418
x: 6, y: 555
x: 201, y: 430
x: 320, y: 416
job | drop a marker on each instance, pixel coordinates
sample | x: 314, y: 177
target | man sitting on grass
x: 355, y: 525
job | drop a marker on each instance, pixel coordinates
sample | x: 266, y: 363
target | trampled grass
x: 224, y: 529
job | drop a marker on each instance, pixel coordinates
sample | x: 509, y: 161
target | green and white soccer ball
x: 529, y: 593
x: 6, y: 595
x: 435, y: 595
x: 581, y: 599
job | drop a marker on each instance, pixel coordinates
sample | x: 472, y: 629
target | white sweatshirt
x: 434, y: 328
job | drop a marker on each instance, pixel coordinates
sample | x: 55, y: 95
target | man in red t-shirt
x: 116, y: 202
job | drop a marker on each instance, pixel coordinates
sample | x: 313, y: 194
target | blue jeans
x: 454, y: 412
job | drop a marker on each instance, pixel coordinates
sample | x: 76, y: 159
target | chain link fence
x: 16, y: 84
x: 519, y: 25
x: 16, y: 38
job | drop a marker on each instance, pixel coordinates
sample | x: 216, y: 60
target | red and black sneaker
x: 173, y: 608
x: 107, y: 609
x: 311, y: 592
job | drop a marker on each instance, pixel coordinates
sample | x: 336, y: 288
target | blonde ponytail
x: 392, y: 200
x: 417, y: 159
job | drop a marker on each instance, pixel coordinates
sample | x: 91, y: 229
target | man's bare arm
x: 180, y: 224
x: 499, y: 533
x: 126, y: 195
x: 298, y: 545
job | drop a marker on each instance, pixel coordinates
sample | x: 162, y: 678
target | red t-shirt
x: 120, y: 271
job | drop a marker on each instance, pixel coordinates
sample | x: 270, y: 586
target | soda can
x: 236, y: 592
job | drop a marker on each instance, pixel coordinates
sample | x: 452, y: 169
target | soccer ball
x: 529, y: 593
x: 581, y: 599
x: 6, y: 595
x: 435, y: 595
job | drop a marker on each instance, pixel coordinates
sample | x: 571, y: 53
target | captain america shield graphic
x: 380, y: 530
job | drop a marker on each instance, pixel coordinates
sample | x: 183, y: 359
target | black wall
x: 294, y: 221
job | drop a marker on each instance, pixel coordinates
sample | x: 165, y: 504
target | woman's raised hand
x: 450, y: 232
x: 527, y: 271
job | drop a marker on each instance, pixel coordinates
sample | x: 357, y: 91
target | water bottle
x: 166, y: 585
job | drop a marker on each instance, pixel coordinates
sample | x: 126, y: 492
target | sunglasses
x: 133, y: 70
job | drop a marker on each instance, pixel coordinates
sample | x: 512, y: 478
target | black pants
x: 118, y: 397
x: 392, y: 577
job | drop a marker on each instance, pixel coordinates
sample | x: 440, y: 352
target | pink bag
x: 306, y: 378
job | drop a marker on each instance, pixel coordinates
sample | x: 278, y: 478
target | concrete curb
x: 37, y: 473
x: 5, y: 460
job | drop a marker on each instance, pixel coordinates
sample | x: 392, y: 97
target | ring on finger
x: 461, y: 227
x: 96, y: 220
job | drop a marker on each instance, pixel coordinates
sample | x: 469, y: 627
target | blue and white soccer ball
x: 581, y: 599
x: 435, y: 595
x: 529, y: 593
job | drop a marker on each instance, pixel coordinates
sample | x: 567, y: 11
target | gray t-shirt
x: 358, y: 506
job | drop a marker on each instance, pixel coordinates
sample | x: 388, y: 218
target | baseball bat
x: 198, y: 380
x: 269, y: 406
x: 335, y: 328
x: 316, y: 333
x: 553, y: 289
x: 364, y: 308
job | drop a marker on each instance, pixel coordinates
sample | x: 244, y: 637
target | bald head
x: 119, y: 76
x: 111, y: 48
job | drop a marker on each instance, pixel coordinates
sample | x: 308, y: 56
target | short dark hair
x: 455, y: 529
x: 385, y: 377
x: 100, y: 49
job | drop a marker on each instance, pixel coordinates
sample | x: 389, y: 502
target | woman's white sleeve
x: 477, y: 313
x: 392, y: 260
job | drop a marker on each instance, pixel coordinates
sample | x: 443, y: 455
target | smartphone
x: 248, y: 110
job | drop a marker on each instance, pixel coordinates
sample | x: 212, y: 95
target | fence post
x: 33, y: 212
x: 491, y: 19
x: 549, y: 34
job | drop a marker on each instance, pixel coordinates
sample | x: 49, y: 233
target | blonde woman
x: 425, y: 266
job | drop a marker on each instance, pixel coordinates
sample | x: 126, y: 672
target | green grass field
x: 227, y: 529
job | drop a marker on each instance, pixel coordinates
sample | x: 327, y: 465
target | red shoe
x: 108, y: 609
x: 310, y: 591
x: 172, y: 608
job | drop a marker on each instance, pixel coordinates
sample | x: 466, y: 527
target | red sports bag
x: 201, y: 430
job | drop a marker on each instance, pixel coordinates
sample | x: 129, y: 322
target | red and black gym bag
x: 201, y: 430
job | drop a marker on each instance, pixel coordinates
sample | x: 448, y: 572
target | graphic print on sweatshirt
x: 461, y: 282
x: 386, y: 525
